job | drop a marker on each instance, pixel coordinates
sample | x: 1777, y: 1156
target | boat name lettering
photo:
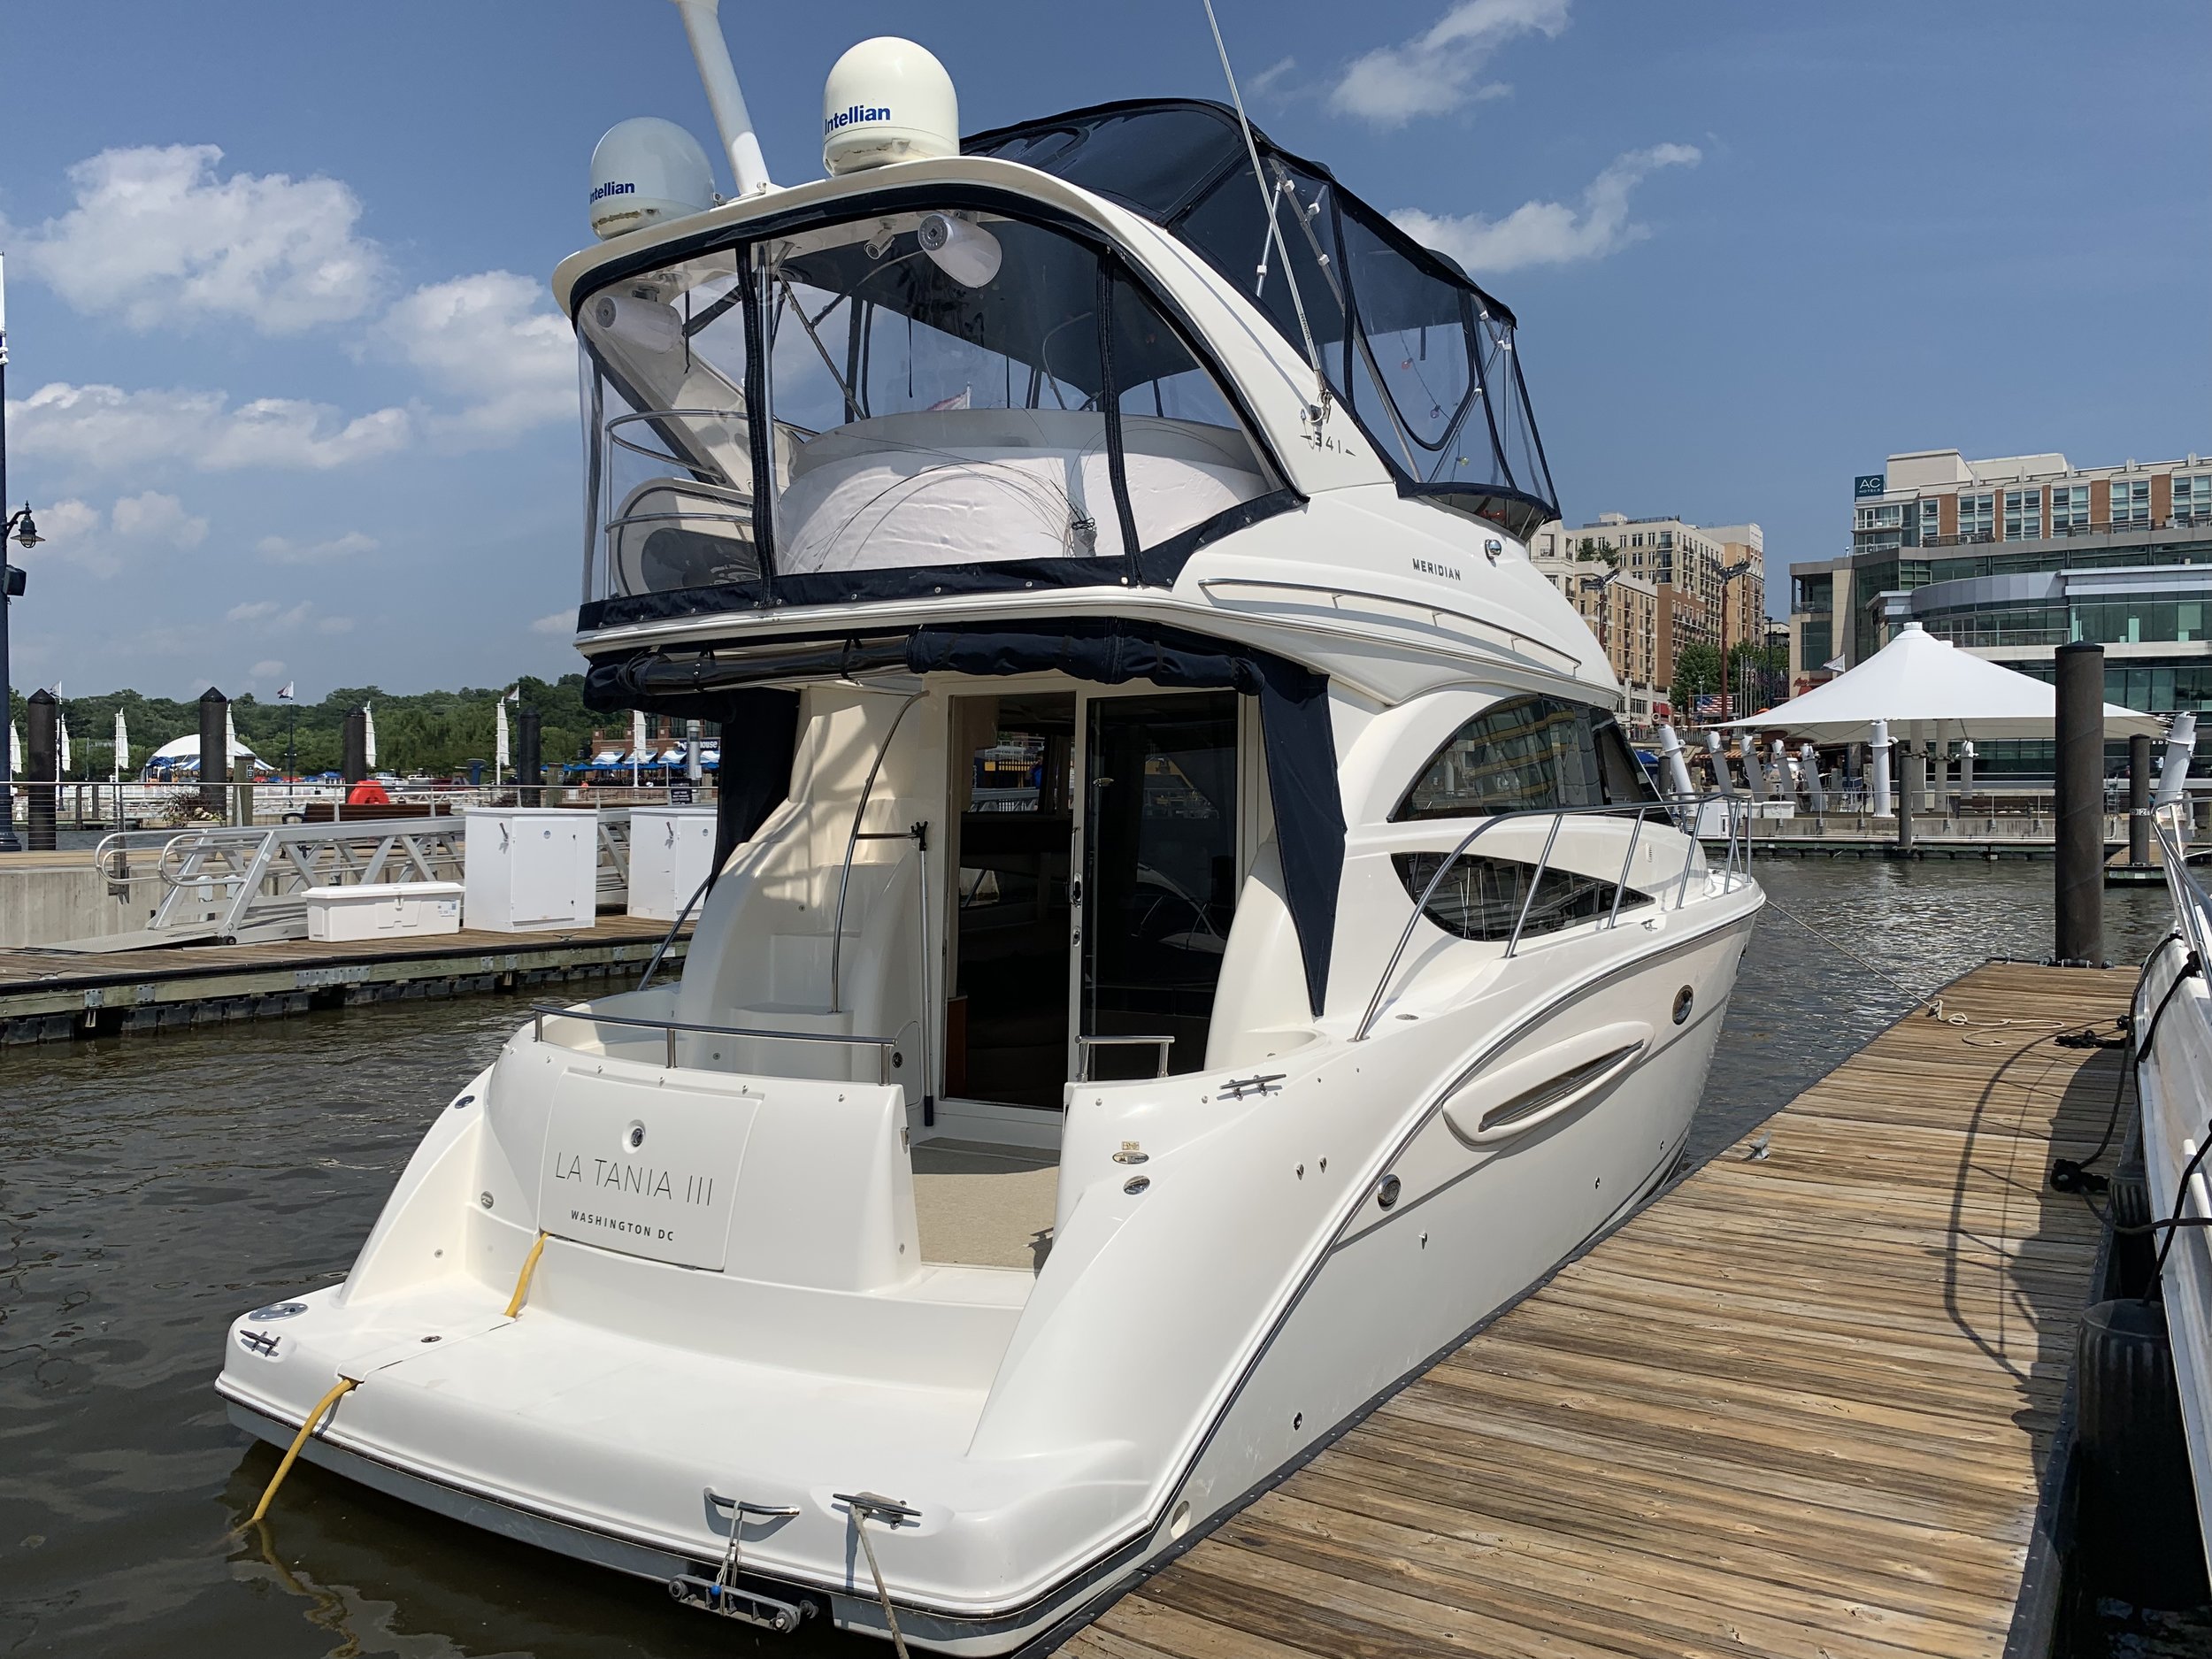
x: 611, y: 188
x: 640, y: 1180
x: 1427, y: 568
x: 614, y: 1224
x: 853, y: 116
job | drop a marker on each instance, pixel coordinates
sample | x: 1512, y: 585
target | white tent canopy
x: 1929, y: 690
x: 187, y: 749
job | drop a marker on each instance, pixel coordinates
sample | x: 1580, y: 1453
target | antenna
x: 1274, y: 227
x: 703, y: 26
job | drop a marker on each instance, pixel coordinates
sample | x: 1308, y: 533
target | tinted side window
x: 1485, y: 898
x: 1523, y: 753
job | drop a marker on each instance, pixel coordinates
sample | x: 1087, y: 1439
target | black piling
x: 214, y: 753
x: 2138, y: 800
x: 529, y: 760
x: 2080, y: 842
x: 355, y: 765
x: 41, y: 764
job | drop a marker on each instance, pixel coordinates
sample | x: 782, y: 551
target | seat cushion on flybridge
x: 588, y: 1426
x: 944, y: 487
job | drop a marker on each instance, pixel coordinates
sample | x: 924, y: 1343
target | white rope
x: 860, y: 1525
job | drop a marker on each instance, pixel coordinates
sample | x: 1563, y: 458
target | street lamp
x: 23, y: 530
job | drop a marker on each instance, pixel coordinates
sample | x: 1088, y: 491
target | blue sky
x: 291, y: 399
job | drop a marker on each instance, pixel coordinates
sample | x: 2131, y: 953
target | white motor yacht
x: 2173, y: 1023
x: 1190, y: 940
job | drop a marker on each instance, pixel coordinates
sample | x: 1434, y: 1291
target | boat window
x: 1527, y: 754
x: 1483, y: 898
x: 1422, y: 357
x: 959, y: 392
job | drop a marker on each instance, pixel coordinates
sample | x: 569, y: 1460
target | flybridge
x: 852, y: 116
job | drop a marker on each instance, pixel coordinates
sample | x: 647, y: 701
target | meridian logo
x: 852, y: 117
x: 613, y: 190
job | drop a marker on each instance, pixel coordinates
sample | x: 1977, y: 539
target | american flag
x: 1705, y: 704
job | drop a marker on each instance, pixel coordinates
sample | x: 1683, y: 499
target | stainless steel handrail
x: 852, y: 843
x: 885, y: 1047
x: 1084, y: 1045
x: 2192, y: 907
x: 1690, y: 810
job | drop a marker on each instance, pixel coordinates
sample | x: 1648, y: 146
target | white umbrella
x: 637, y: 741
x: 1928, y: 689
x: 65, y: 761
x: 15, y: 751
x: 122, y: 745
x: 499, y: 743
x: 368, y: 716
x: 230, y: 746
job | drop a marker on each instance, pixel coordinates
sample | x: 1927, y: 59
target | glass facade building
x: 2011, y: 558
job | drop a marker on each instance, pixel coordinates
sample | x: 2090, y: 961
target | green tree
x: 1697, y: 673
x: 427, y: 732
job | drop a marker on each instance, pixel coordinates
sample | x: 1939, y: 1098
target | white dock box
x: 671, y: 849
x: 531, y: 869
x: 383, y: 909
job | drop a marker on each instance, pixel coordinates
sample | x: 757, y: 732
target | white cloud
x: 107, y: 429
x: 268, y: 617
x: 158, y: 238
x: 133, y: 529
x: 491, y: 341
x: 1549, y: 233
x: 1259, y: 84
x: 269, y: 669
x: 283, y: 551
x: 1435, y: 72
x: 560, y: 622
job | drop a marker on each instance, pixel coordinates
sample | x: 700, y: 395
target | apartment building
x: 2015, y: 555
x: 1649, y: 586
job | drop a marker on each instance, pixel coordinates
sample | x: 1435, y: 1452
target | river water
x: 151, y: 1188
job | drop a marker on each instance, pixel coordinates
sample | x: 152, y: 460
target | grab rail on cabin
x: 886, y: 1048
x: 1086, y: 1045
x: 1686, y: 810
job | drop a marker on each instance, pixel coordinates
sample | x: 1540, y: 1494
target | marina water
x: 153, y: 1185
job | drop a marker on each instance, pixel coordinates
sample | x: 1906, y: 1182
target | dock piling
x: 2080, y: 780
x: 41, y: 755
x: 355, y: 766
x: 529, y: 762
x: 2139, y: 799
x: 213, y: 707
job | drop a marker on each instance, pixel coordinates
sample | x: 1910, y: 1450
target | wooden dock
x: 1804, y: 1404
x: 52, y: 996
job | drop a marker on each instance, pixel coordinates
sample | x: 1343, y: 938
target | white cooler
x: 531, y: 869
x: 671, y: 849
x: 385, y: 909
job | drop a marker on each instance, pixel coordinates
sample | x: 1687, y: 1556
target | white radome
x: 645, y: 171
x: 888, y: 100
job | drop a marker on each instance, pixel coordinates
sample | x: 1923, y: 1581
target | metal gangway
x: 233, y: 884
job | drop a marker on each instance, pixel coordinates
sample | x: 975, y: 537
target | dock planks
x: 1801, y: 1404
x: 49, y: 995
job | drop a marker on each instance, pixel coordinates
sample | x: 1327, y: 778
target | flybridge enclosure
x: 1422, y: 357
x: 962, y: 391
